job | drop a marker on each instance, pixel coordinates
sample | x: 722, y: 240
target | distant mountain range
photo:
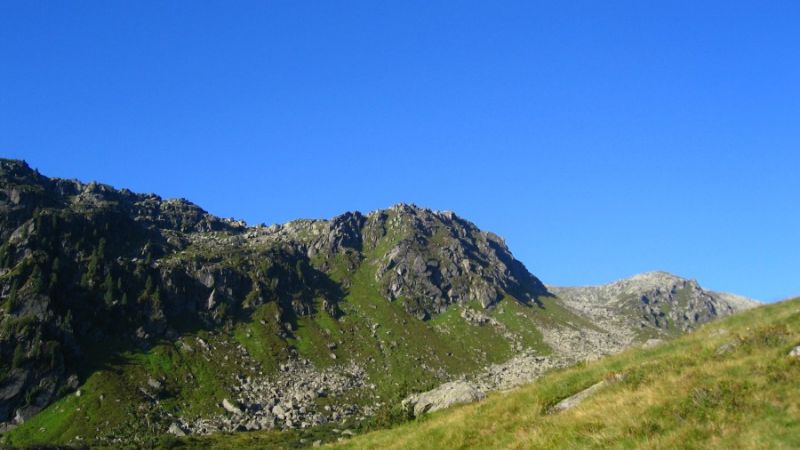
x: 125, y: 317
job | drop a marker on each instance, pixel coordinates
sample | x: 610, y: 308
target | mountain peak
x: 664, y: 302
x: 654, y: 278
x: 427, y: 259
x: 657, y: 274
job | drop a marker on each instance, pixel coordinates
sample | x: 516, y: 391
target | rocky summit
x: 125, y: 317
x: 654, y: 304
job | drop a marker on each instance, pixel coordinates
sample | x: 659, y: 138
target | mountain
x: 729, y: 384
x: 124, y: 316
x: 653, y: 304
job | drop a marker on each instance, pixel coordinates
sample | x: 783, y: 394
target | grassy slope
x: 683, y: 394
x: 405, y: 355
x: 194, y: 382
x: 111, y: 399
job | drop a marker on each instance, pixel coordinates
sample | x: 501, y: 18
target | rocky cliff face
x: 437, y: 259
x: 425, y: 259
x: 82, y: 263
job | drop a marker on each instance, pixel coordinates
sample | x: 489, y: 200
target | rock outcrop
x: 446, y: 395
x: 576, y: 399
x: 438, y: 259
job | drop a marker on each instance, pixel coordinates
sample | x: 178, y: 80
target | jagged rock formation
x: 433, y: 259
x: 441, y: 259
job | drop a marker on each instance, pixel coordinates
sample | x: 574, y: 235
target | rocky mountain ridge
x: 652, y: 303
x: 204, y: 324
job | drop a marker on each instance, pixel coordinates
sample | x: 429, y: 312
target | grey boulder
x: 444, y: 396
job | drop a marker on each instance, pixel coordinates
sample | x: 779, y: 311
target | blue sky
x: 601, y: 139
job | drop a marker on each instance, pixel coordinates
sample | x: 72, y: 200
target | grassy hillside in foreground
x: 731, y: 384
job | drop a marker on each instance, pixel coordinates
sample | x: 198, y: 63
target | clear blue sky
x: 601, y: 139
